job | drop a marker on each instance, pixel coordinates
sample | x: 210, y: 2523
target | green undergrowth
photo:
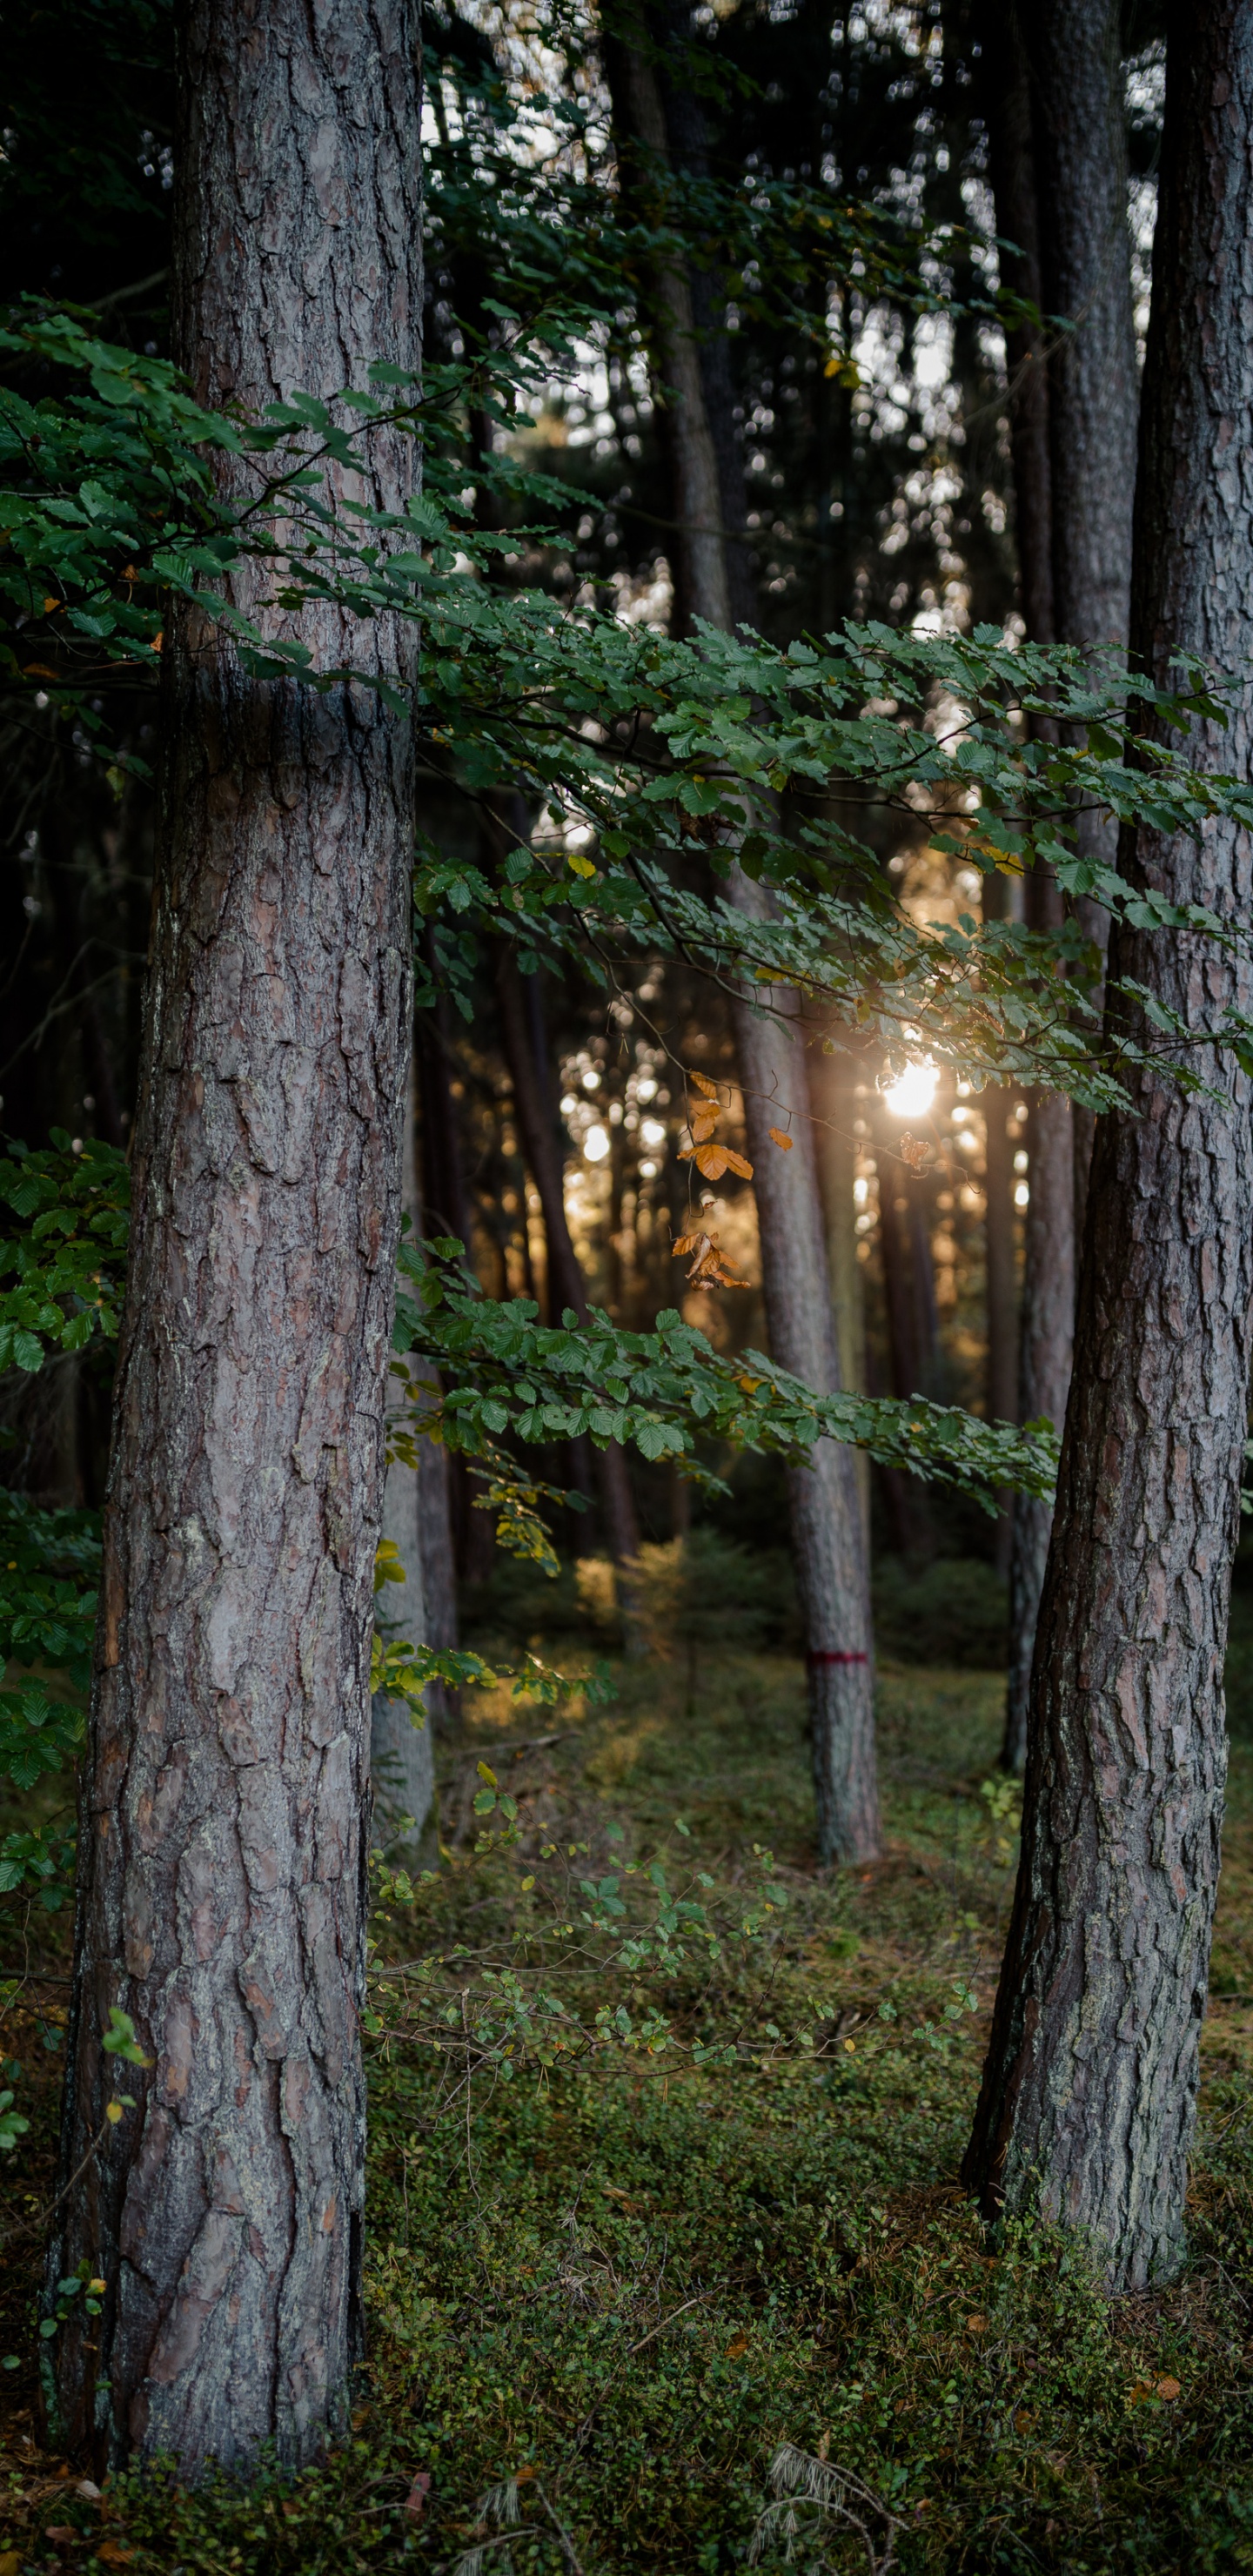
x: 604, y: 2296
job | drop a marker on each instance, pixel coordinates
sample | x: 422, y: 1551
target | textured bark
x: 1089, y: 2092
x: 402, y: 1767
x: 223, y: 1822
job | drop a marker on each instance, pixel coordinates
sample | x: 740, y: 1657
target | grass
x: 605, y: 2298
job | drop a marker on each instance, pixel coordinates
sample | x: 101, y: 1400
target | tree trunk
x: 907, y: 1496
x: 222, y: 1893
x: 1080, y: 150
x: 1057, y: 152
x: 702, y: 582
x: 566, y: 1286
x: 1011, y: 165
x: 828, y: 1539
x: 1002, y: 1286
x: 1089, y: 2091
x: 402, y: 1767
x: 1048, y: 1315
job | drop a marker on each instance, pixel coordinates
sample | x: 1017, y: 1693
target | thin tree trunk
x: 828, y: 1539
x: 1048, y: 1312
x: 402, y: 1767
x: 1080, y: 151
x: 566, y: 1286
x: 1011, y: 162
x: 1089, y: 2092
x: 1058, y: 166
x: 223, y: 1838
x: 1002, y: 1286
x: 832, y: 1573
x: 907, y: 1496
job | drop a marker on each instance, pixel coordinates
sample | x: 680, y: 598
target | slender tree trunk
x: 1002, y: 1286
x: 402, y: 1766
x: 1080, y: 149
x: 833, y: 1099
x: 1011, y: 159
x: 702, y: 577
x: 827, y: 1539
x: 1059, y: 175
x: 1089, y: 2091
x: 566, y: 1286
x: 907, y: 1495
x: 223, y: 1829
x: 1048, y: 1312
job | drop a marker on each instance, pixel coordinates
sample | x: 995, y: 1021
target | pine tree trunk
x: 1002, y: 1287
x: 1089, y: 2091
x: 827, y: 1540
x: 224, y: 1816
x: 828, y: 1537
x: 402, y: 1766
x: 1048, y: 1315
x: 1011, y: 167
x: 1059, y: 174
x: 566, y: 1286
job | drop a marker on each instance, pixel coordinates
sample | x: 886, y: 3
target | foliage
x: 66, y: 1258
x: 635, y: 748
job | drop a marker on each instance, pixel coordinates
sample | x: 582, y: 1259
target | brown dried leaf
x: 703, y: 1120
x: 784, y: 1143
x: 711, y: 1160
x: 915, y: 1151
x: 736, y: 1163
x: 686, y: 1243
x: 703, y: 1084
x: 737, y: 2345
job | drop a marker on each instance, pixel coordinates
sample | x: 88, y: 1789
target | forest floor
x: 603, y: 2299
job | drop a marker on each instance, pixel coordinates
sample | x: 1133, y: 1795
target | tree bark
x: 402, y: 1765
x: 223, y: 1836
x: 1089, y: 2092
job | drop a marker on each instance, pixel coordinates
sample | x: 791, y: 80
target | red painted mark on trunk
x: 822, y: 1655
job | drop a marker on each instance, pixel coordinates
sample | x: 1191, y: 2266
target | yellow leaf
x: 113, y: 2112
x: 784, y: 1143
x: 736, y: 1163
x: 38, y: 671
x: 704, y: 1085
x: 50, y: 605
x: 486, y: 1773
x: 581, y: 867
